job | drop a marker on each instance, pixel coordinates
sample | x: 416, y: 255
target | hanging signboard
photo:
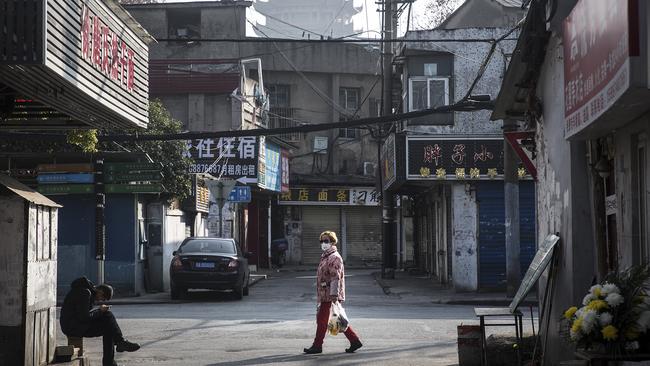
x: 132, y: 188
x: 342, y: 196
x: 388, y: 162
x: 226, y: 157
x: 285, y: 171
x: 65, y: 168
x: 430, y: 158
x: 52, y: 178
x: 132, y: 177
x: 130, y: 167
x: 596, y: 43
x: 87, y: 51
x: 269, y: 166
x: 66, y: 189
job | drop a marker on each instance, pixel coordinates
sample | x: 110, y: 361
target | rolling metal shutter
x: 491, y: 241
x: 363, y: 234
x: 527, y: 229
x: 315, y: 220
x: 491, y: 237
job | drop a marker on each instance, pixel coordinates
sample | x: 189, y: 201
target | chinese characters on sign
x: 388, y: 161
x: 103, y: 48
x: 596, y: 60
x: 284, y: 185
x: 227, y: 157
x: 270, y: 168
x: 330, y: 196
x: 457, y: 159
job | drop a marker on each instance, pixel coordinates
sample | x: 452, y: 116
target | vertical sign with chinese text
x: 285, y: 171
x: 596, y: 60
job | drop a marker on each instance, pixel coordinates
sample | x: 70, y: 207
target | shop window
x: 184, y: 23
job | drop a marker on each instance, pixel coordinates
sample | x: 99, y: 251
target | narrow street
x: 274, y: 323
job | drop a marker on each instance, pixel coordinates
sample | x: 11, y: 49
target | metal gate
x: 363, y: 234
x: 315, y: 220
x: 491, y: 239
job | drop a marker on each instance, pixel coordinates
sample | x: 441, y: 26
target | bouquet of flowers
x: 615, y: 314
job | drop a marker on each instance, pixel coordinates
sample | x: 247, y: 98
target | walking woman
x: 330, y: 287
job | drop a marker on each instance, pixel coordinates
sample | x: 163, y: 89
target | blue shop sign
x: 240, y: 194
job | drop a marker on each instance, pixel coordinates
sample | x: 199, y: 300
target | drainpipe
x: 511, y: 196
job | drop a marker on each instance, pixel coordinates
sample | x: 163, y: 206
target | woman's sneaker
x: 354, y: 346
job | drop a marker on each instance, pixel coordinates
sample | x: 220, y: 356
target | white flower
x: 605, y: 319
x: 614, y: 300
x: 588, y: 299
x: 589, y: 321
x: 592, y: 290
x: 610, y: 288
x: 644, y: 321
x: 580, y: 311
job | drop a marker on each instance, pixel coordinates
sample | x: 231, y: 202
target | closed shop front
x: 491, y: 237
x: 362, y: 234
x: 353, y: 213
x: 315, y: 220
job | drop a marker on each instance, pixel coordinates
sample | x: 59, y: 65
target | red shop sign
x: 596, y: 60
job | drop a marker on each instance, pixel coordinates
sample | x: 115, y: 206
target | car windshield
x: 208, y: 246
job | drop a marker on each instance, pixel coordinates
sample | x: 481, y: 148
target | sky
x: 369, y: 19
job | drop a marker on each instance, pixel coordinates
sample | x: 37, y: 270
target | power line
x: 462, y: 106
x: 289, y: 24
x: 332, y: 40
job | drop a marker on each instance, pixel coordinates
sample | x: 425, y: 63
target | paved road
x: 274, y: 323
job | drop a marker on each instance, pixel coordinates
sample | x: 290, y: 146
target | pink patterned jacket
x: 330, y: 277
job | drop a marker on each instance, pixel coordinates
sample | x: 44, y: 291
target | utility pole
x: 387, y: 198
x: 511, y: 196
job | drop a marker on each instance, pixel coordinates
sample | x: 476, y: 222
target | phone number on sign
x: 239, y: 170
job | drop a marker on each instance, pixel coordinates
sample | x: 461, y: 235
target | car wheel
x: 177, y: 292
x: 239, y: 292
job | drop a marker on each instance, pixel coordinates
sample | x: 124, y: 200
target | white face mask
x: 325, y: 246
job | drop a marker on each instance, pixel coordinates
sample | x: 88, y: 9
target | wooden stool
x: 77, y: 342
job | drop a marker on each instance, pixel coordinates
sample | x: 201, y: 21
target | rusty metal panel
x: 12, y: 276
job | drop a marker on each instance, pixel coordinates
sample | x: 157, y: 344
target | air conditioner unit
x: 369, y: 168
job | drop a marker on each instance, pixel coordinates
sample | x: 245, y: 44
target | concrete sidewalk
x: 424, y: 288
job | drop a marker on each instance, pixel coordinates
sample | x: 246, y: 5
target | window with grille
x: 349, y: 99
x: 428, y: 92
x: 280, y: 112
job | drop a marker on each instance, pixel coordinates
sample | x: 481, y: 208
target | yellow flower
x: 631, y: 333
x: 597, y: 292
x: 570, y: 311
x: 597, y: 305
x: 610, y: 333
x: 577, y: 324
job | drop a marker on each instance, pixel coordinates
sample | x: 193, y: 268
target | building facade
x: 449, y: 167
x: 301, y: 85
x: 591, y: 131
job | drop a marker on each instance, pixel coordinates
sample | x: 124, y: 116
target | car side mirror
x: 248, y: 255
x: 175, y: 253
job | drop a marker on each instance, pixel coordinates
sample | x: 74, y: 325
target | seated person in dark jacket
x: 80, y: 319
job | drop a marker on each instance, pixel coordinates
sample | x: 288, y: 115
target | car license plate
x: 204, y: 265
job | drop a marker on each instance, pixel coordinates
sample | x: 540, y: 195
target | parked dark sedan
x: 209, y: 263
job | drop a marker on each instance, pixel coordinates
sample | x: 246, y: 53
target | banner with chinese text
x: 226, y: 157
x: 596, y: 60
x: 430, y: 158
x: 357, y: 196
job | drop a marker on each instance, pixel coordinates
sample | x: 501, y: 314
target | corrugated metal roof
x: 510, y: 3
x: 25, y: 192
